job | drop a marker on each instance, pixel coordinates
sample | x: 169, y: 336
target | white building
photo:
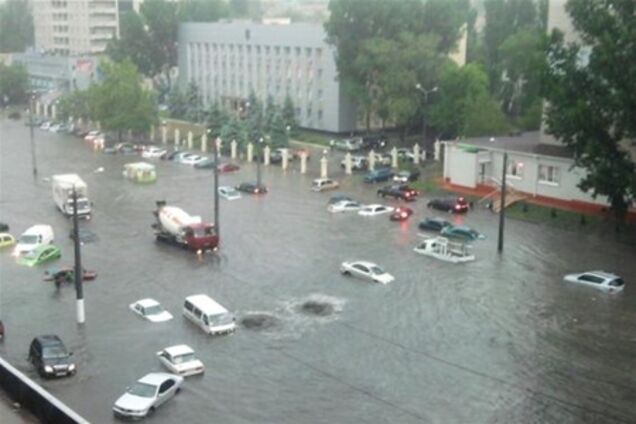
x: 75, y: 27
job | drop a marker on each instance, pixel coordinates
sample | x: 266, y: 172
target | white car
x: 180, y: 360
x: 153, y: 152
x: 92, y: 135
x: 600, y: 280
x: 191, y: 159
x: 358, y: 163
x: 229, y: 193
x: 147, y: 394
x: 55, y: 128
x: 151, y: 310
x: 344, y: 206
x: 322, y: 184
x: 366, y: 270
x: 373, y: 210
x: 45, y: 125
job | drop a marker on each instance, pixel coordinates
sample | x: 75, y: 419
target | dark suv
x: 398, y: 191
x: 50, y: 357
x: 451, y: 204
x: 378, y: 175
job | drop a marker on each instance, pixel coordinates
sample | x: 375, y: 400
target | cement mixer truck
x: 175, y: 226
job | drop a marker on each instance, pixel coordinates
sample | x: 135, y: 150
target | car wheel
x: 176, y: 392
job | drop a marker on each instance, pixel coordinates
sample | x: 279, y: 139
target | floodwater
x: 498, y: 340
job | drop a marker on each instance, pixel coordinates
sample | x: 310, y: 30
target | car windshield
x: 377, y: 270
x: 142, y: 390
x: 54, y: 352
x: 81, y: 204
x: 231, y: 192
x: 181, y: 359
x: 221, y: 319
x: 28, y: 239
x: 618, y: 282
x: 203, y: 231
x: 153, y: 310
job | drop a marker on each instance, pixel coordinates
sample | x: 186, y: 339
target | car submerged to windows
x: 229, y: 193
x: 151, y: 310
x: 463, y: 232
x: 373, y: 210
x: 344, y: 206
x: 147, y: 394
x: 450, y: 204
x: 599, y: 280
x: 180, y: 359
x: 366, y: 270
x: 433, y: 224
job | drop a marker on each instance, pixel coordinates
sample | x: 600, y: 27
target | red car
x: 67, y: 275
x: 228, y: 167
x: 401, y: 213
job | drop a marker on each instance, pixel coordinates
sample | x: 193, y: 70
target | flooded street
x: 498, y: 340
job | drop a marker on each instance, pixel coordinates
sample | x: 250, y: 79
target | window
x: 548, y: 174
x: 515, y: 169
x: 591, y: 279
x: 165, y: 386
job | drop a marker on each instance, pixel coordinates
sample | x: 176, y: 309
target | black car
x: 433, y: 224
x: 398, y: 191
x: 50, y: 357
x: 338, y: 198
x: 251, y: 188
x: 374, y: 141
x: 450, y: 204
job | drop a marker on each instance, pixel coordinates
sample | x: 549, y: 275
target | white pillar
x: 233, y: 147
x: 53, y: 112
x: 219, y: 144
x: 437, y: 150
x: 323, y: 167
x: 37, y: 108
x: 99, y: 125
x: 81, y: 317
x: 303, y: 162
x: 446, y: 158
x: 176, y: 137
x: 285, y: 159
x: 129, y: 135
x: 204, y: 143
x: 190, y: 140
x: 371, y: 160
x: 79, y: 122
x: 416, y: 154
x: 266, y: 152
x: 394, y: 159
x: 152, y: 133
x: 164, y: 134
x: 348, y: 163
x: 250, y: 152
x: 423, y: 155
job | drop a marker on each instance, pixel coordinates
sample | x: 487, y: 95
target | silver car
x: 147, y: 394
x: 600, y: 280
x: 366, y: 270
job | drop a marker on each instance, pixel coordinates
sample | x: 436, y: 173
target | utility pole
x: 216, y: 188
x: 33, y: 162
x: 79, y: 273
x: 502, y: 211
x: 258, y: 162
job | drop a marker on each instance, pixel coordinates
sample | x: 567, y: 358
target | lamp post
x: 426, y: 92
x: 215, y: 148
x: 31, y: 123
x: 502, y: 213
x: 79, y: 274
x: 259, y: 158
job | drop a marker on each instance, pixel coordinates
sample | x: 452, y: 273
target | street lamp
x: 258, y: 162
x: 426, y: 92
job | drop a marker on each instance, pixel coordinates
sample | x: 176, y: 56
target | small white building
x: 536, y: 169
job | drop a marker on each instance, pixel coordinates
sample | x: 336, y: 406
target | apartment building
x: 74, y: 27
x: 228, y: 60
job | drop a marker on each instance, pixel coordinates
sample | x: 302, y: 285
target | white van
x: 205, y: 312
x: 322, y: 184
x: 37, y: 235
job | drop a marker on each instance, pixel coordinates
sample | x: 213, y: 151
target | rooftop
x: 528, y: 142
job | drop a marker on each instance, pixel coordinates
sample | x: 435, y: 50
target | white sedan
x: 229, y: 193
x: 191, y: 159
x: 151, y: 310
x: 344, y: 206
x: 366, y: 270
x: 600, y: 280
x: 153, y: 152
x: 373, y: 210
x: 147, y: 394
x: 180, y: 360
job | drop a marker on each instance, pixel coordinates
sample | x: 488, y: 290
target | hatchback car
x: 151, y: 310
x: 147, y: 394
x: 378, y: 175
x: 373, y: 210
x: 322, y: 184
x: 401, y: 213
x: 49, y: 356
x: 40, y: 255
x: 366, y: 270
x: 433, y: 224
x: 344, y: 206
x: 450, y: 204
x: 251, y: 188
x: 180, y: 360
x: 229, y: 193
x: 600, y: 280
x: 462, y: 232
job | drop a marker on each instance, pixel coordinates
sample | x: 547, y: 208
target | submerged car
x: 398, y: 191
x: 151, y: 310
x: 147, y: 394
x: 205, y: 163
x: 180, y: 360
x: 251, y: 188
x: 406, y: 176
x: 322, y: 184
x: 6, y: 240
x: 68, y: 275
x: 366, y: 270
x: 153, y: 152
x: 40, y: 255
x: 462, y: 232
x: 228, y: 167
x: 373, y: 210
x: 229, y: 193
x: 433, y: 224
x: 338, y: 198
x: 378, y: 175
x: 401, y: 213
x: 450, y: 204
x: 49, y: 356
x: 600, y: 280
x: 344, y: 206
x: 85, y: 235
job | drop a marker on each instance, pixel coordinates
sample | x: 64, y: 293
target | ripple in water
x: 258, y: 321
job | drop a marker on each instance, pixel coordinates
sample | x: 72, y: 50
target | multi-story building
x: 74, y: 27
x: 228, y: 60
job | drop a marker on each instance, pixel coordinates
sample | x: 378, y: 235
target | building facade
x: 74, y: 27
x: 228, y: 60
x: 58, y: 73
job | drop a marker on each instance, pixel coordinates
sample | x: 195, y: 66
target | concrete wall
x: 462, y: 167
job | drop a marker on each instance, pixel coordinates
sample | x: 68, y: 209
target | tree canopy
x: 590, y: 89
x: 16, y: 26
x: 14, y: 83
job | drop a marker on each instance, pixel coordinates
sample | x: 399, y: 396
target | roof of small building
x: 528, y: 142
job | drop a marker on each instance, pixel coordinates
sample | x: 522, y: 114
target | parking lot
x: 498, y: 340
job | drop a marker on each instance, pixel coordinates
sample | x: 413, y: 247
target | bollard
x: 219, y: 145
x: 266, y: 152
x: 285, y: 159
x: 164, y: 135
x: 303, y: 162
x: 437, y: 150
x: 250, y: 152
x: 348, y: 163
x: 323, y: 166
x: 394, y: 158
x: 204, y: 143
x: 371, y: 160
x: 416, y: 154
x: 233, y: 148
x: 190, y: 140
x: 176, y: 137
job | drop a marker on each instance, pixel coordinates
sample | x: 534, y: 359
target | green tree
x: 235, y: 129
x: 289, y: 115
x: 194, y: 103
x: 590, y: 90
x: 119, y: 101
x: 14, y: 83
x: 255, y: 117
x: 160, y: 17
x: 177, y: 103
x: 135, y: 44
x: 203, y: 10
x: 271, y: 109
x: 278, y: 132
x: 16, y: 26
x: 77, y: 104
x: 215, y: 119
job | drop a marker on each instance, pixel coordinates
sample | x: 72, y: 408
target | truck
x: 63, y: 186
x: 175, y: 226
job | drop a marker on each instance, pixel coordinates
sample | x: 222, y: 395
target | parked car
x: 382, y: 159
x: 322, y: 184
x: 378, y: 175
x: 600, y: 280
x: 408, y: 155
x: 228, y: 167
x: 398, y: 191
x: 207, y: 163
x: 373, y: 210
x: 297, y: 153
x: 49, y: 356
x: 462, y: 232
x: 433, y: 224
x: 125, y: 148
x: 153, y: 152
x: 450, y: 204
x: 276, y: 156
x: 406, y: 176
x: 191, y: 159
x: 338, y: 198
x: 358, y: 163
x: 401, y: 214
x: 229, y: 193
x: 374, y: 141
x: 344, y: 206
x: 147, y: 394
x: 39, y: 255
x: 366, y: 270
x: 6, y: 240
x: 45, y: 125
x: 180, y: 360
x: 151, y: 310
x: 172, y: 154
x: 251, y: 188
x: 348, y: 145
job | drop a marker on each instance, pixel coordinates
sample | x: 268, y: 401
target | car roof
x: 39, y: 228
x: 365, y: 263
x: 602, y: 274
x: 147, y: 302
x: 179, y: 350
x: 155, y: 378
x: 203, y: 301
x: 374, y: 205
x: 48, y: 339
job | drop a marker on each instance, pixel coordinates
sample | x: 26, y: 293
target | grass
x: 553, y: 217
x: 312, y: 137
